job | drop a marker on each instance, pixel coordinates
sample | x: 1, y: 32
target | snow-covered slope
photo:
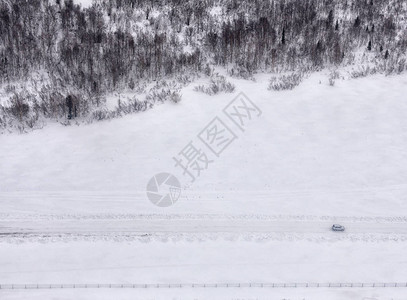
x: 316, y: 150
x: 260, y: 213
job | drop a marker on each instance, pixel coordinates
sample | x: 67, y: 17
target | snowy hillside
x: 145, y: 52
x: 316, y: 155
x: 193, y: 149
x: 338, y: 148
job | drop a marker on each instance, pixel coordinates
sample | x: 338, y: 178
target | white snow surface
x: 317, y: 150
x: 260, y: 213
x: 84, y: 3
x: 203, y: 262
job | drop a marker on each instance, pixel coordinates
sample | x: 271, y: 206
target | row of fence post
x: 202, y: 285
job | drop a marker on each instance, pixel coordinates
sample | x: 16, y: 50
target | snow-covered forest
x: 57, y: 48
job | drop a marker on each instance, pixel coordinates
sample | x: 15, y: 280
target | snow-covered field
x: 317, y: 150
x: 204, y: 262
x: 73, y: 207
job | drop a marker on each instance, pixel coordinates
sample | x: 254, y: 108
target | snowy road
x: 10, y: 226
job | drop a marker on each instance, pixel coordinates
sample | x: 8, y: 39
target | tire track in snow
x: 201, y: 229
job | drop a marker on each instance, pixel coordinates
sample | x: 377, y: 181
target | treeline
x: 116, y: 43
x: 79, y: 46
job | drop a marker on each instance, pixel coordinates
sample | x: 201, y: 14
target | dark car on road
x: 337, y: 227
